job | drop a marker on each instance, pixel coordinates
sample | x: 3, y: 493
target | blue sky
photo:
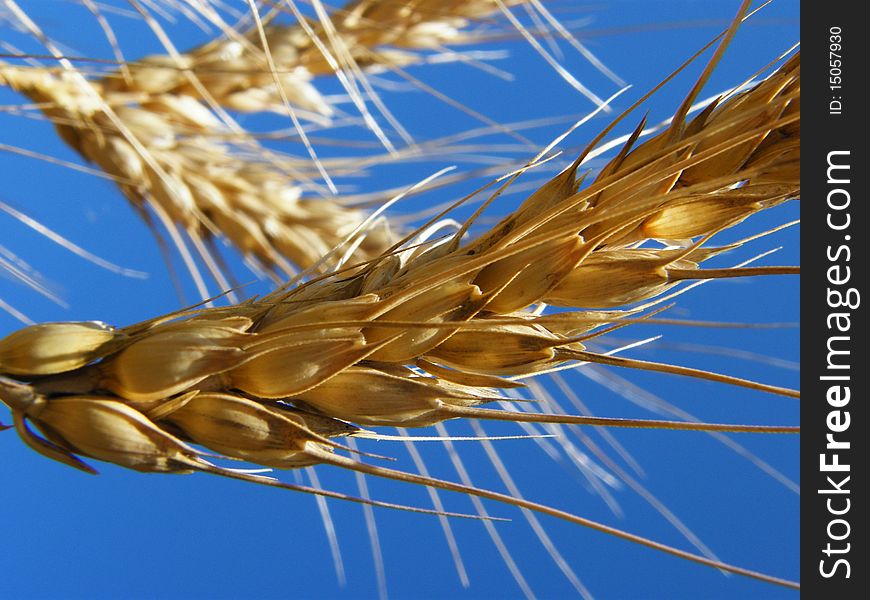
x: 124, y: 534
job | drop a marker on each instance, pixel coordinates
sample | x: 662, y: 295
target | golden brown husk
x: 341, y: 346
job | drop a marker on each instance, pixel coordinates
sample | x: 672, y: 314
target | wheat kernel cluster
x: 407, y: 331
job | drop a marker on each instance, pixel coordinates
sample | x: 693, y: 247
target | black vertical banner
x: 835, y: 300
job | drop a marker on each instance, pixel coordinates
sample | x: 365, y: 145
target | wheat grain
x: 50, y: 348
x: 430, y: 299
x: 330, y: 350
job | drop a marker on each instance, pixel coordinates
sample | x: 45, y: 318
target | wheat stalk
x: 275, y: 380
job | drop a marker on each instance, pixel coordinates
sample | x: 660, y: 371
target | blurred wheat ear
x: 403, y: 330
x: 160, y: 129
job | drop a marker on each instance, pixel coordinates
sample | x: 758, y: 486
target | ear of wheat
x: 151, y: 128
x: 421, y: 335
x: 241, y: 71
x: 165, y: 154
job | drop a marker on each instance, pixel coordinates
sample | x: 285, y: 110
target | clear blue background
x: 122, y: 534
